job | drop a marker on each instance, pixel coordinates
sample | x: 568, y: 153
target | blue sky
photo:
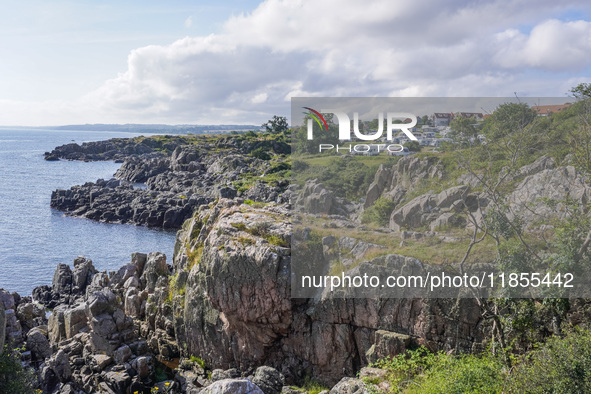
x: 66, y: 62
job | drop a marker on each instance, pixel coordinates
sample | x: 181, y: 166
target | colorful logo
x: 316, y: 115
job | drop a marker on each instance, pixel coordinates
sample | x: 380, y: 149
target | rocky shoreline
x: 220, y: 316
x: 182, y: 327
x: 177, y: 178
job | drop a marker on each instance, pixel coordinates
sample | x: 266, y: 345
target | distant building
x: 473, y: 115
x: 442, y: 118
x: 547, y: 110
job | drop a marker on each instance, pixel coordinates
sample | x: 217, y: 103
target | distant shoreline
x: 145, y: 128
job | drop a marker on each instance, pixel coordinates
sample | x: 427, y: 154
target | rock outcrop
x: 437, y: 210
x: 408, y: 172
x: 236, y: 284
x: 542, y: 196
x: 175, y: 182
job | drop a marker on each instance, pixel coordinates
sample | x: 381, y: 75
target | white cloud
x: 349, y: 48
x: 552, y: 45
x: 188, y: 22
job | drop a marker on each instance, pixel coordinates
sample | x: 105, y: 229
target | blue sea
x: 33, y: 237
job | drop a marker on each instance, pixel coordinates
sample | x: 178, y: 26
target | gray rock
x: 528, y: 199
x: 83, y: 272
x: 133, y: 303
x: 315, y: 198
x: 56, y: 324
x: 118, y: 381
x: 426, y: 208
x: 387, y: 344
x: 143, y: 366
x: 139, y: 260
x: 7, y: 299
x: 382, y: 181
x: 349, y: 386
x: 99, y: 362
x: 232, y: 386
x: 269, y: 380
x: 154, y: 268
x: 289, y: 390
x: 103, y: 325
x: 220, y: 374
x: 123, y: 274
x: 75, y: 320
x: 122, y: 354
x: 60, y: 365
x: 26, y: 313
x: 100, y: 302
x: 38, y: 343
x: 62, y: 279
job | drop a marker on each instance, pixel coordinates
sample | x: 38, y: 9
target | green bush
x: 282, y: 166
x: 420, y: 371
x: 413, y: 146
x: 465, y: 374
x: 261, y: 153
x: 299, y: 165
x: 14, y: 379
x: 561, y: 365
x: 379, y: 213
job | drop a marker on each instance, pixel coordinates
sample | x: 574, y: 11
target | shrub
x: 379, y: 213
x: 14, y: 379
x: 413, y: 146
x: 419, y: 371
x: 282, y: 166
x: 299, y: 165
x: 260, y: 153
x: 465, y: 374
x: 561, y: 365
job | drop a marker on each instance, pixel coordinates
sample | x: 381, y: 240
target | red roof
x: 550, y: 109
x: 471, y: 115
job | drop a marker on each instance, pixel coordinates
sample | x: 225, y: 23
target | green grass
x: 560, y: 365
x: 311, y: 386
x: 194, y: 255
x: 198, y: 361
x: 260, y: 229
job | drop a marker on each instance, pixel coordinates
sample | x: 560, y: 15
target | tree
x: 581, y: 91
x: 277, y: 125
x: 509, y: 118
x: 413, y: 146
x: 463, y: 128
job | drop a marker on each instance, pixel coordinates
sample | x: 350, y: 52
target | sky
x: 241, y: 61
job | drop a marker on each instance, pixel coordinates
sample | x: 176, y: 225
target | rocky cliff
x: 226, y: 299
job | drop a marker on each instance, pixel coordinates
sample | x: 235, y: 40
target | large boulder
x: 62, y: 279
x: 155, y: 267
x: 38, y: 344
x: 269, y: 380
x: 387, y: 344
x: 349, y: 386
x: 314, y: 198
x: 60, y: 365
x: 232, y: 386
x: 82, y: 274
